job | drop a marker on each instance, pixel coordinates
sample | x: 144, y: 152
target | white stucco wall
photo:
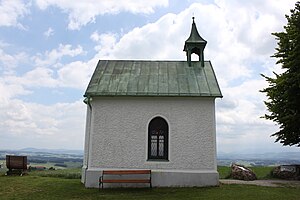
x: 119, y: 133
x: 86, y: 144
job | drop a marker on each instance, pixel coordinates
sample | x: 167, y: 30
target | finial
x: 193, y: 17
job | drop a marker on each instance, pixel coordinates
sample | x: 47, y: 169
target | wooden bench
x: 103, y: 179
x: 16, y: 164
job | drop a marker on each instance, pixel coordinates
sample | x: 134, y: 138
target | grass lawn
x: 223, y: 172
x: 71, y: 173
x: 34, y: 186
x: 262, y: 172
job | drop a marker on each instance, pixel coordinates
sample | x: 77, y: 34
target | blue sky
x: 49, y: 49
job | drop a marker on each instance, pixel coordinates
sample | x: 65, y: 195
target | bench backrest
x: 126, y: 172
x: 16, y: 162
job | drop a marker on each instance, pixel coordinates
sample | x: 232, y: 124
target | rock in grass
x: 288, y: 172
x: 241, y: 172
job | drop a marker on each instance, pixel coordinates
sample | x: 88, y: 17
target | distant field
x: 33, y: 186
x: 52, y: 164
x: 48, y: 165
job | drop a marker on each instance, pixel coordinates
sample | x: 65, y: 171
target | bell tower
x: 194, y: 44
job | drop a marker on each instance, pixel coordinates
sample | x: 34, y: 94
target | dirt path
x: 268, y: 183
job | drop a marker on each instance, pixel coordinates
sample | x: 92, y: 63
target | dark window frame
x: 158, y: 139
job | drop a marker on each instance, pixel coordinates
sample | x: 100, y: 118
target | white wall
x: 86, y: 144
x: 119, y: 128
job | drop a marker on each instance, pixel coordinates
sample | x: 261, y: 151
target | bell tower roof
x: 194, y: 35
x: 194, y: 44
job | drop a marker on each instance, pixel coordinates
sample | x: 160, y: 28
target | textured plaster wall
x: 118, y: 134
x: 87, y: 135
x: 86, y: 145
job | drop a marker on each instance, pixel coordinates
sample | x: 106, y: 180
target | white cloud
x: 106, y: 43
x: 76, y: 74
x: 9, y: 62
x: 160, y: 40
x: 52, y: 58
x: 95, y: 36
x: 11, y: 11
x: 36, y: 78
x: 49, y: 32
x: 38, y: 124
x: 51, y: 126
x: 84, y: 12
x: 242, y: 104
x: 47, y: 71
x: 10, y: 90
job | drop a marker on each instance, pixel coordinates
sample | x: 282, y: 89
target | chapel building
x: 157, y: 115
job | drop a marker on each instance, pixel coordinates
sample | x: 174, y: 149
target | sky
x: 50, y: 48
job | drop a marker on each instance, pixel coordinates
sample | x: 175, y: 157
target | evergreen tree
x: 283, y: 91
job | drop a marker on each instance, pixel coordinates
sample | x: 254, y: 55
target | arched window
x: 158, y: 131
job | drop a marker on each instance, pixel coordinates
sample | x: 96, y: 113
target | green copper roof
x: 152, y: 78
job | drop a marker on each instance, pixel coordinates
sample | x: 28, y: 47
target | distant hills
x: 225, y: 159
x: 221, y: 155
x: 43, y: 156
x: 259, y: 159
x: 265, y: 156
x: 56, y: 151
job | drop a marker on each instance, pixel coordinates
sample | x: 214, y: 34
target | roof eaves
x: 152, y: 94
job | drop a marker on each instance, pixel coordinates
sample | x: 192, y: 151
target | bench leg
x: 100, y: 182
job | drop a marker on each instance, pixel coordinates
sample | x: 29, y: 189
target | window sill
x: 158, y: 160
